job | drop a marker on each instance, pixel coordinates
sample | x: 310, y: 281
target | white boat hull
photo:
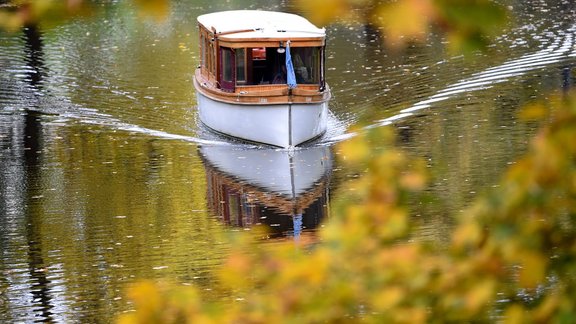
x: 282, y: 125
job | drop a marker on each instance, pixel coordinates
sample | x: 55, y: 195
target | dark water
x: 107, y: 177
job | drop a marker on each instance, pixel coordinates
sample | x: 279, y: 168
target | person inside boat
x: 280, y: 76
x: 300, y: 69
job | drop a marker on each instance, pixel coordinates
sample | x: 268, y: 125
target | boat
x: 261, y: 77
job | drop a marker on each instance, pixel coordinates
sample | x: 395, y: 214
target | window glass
x: 259, y: 53
x: 203, y: 49
x: 259, y: 65
x: 240, y: 65
x: 210, y: 56
x: 227, y: 65
x: 306, y: 62
x: 266, y: 65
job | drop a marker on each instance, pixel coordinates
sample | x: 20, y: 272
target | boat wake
x: 87, y: 116
x: 203, y: 135
x: 555, y: 49
x: 560, y: 50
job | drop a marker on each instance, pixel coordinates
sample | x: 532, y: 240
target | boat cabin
x: 245, y: 53
x: 261, y: 77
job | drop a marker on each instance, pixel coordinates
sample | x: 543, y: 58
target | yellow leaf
x: 480, y: 295
x: 235, y: 269
x: 413, y: 181
x: 156, y: 9
x: 467, y: 234
x: 11, y: 22
x: 322, y: 12
x: 355, y: 150
x: 515, y: 315
x: 146, y: 294
x: 533, y: 269
x: 404, y: 20
x: 547, y: 308
x: 533, y: 112
x: 388, y: 298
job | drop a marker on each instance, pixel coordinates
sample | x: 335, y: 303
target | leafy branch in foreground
x: 512, y: 254
x: 467, y: 24
x: 15, y: 14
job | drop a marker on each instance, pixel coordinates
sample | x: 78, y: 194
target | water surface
x: 108, y: 177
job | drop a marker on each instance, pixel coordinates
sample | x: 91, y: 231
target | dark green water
x: 107, y: 176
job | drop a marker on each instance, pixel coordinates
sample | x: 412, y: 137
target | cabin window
x: 266, y: 65
x: 227, y: 69
x: 261, y: 65
x: 306, y: 62
x: 202, y: 49
x: 240, y: 66
x: 322, y: 69
x: 206, y: 54
x: 227, y: 72
x: 211, y: 57
x: 259, y: 53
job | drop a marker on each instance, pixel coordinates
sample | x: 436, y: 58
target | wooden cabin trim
x: 243, y: 42
x: 275, y: 94
x: 269, y: 42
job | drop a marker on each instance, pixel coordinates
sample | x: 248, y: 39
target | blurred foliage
x: 17, y: 13
x: 467, y: 24
x: 511, y: 256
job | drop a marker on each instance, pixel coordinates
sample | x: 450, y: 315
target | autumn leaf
x: 323, y: 12
x: 155, y: 9
x: 533, y: 269
x: 405, y: 20
x: 355, y: 150
x: 535, y: 111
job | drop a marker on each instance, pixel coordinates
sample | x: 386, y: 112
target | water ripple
x: 560, y: 50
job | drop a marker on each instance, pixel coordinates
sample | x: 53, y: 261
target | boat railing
x: 266, y: 93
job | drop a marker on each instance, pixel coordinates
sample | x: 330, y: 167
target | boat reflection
x: 286, y: 191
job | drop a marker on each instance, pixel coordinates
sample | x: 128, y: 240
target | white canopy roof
x: 260, y: 24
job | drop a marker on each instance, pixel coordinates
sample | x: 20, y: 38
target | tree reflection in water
x: 32, y: 146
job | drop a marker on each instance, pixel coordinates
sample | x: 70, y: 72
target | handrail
x: 239, y: 31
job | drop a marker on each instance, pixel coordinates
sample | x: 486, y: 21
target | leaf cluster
x: 512, y: 253
x: 15, y: 14
x: 467, y: 25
